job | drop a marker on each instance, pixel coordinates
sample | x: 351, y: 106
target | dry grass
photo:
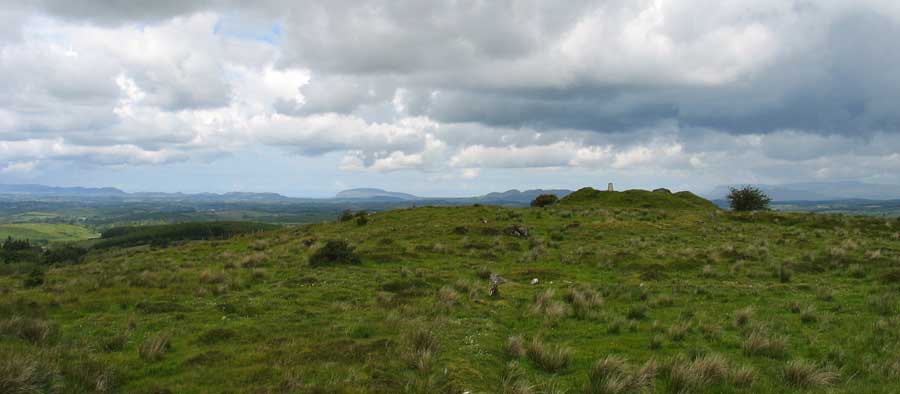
x: 36, y: 331
x: 155, y: 347
x: 447, y: 296
x: 743, y: 376
x: 422, y: 346
x: 584, y: 303
x: 550, y: 358
x: 515, y: 346
x: 742, y: 317
x: 694, y: 375
x: 760, y: 343
x: 514, y: 380
x: 26, y: 374
x: 612, y: 375
x: 209, y: 276
x: 805, y: 374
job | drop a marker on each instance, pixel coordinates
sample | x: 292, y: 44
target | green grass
x: 249, y: 314
x: 44, y: 232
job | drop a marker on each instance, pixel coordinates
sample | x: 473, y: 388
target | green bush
x: 748, y: 198
x: 35, y: 278
x: 544, y: 200
x: 336, y: 251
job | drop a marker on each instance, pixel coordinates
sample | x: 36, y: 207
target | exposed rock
x: 535, y: 281
x: 517, y: 231
x: 496, y: 280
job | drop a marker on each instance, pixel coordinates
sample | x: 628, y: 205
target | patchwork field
x: 598, y: 298
x: 45, y: 232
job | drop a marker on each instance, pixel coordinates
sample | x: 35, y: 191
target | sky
x: 447, y: 98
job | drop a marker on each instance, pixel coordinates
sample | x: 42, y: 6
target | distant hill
x: 60, y: 191
x: 820, y: 191
x: 522, y: 197
x: 661, y: 199
x: 372, y: 193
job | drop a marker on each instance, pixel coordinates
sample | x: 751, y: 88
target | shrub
x: 547, y: 357
x: 346, y: 215
x: 748, y: 198
x: 805, y: 374
x: 544, y: 200
x: 334, y: 252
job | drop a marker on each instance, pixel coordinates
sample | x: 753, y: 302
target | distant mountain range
x: 811, y: 191
x: 514, y: 196
x: 374, y: 194
x: 819, y: 191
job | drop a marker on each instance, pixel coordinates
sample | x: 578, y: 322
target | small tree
x: 347, y: 215
x: 748, y: 198
x: 544, y: 200
x: 336, y: 251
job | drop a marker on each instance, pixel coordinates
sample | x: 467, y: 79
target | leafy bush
x: 544, y: 200
x: 346, y: 215
x: 748, y: 198
x: 336, y: 251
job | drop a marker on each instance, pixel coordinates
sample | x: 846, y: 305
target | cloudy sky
x: 447, y: 97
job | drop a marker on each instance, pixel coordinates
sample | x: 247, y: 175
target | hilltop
x: 658, y: 199
x: 667, y: 298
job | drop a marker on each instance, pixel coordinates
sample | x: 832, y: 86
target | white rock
x: 534, y: 281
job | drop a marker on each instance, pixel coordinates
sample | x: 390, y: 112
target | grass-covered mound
x: 627, y: 301
x: 166, y: 233
x: 658, y: 199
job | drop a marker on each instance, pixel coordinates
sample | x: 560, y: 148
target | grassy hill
x: 45, y: 232
x: 682, y: 299
x: 659, y: 199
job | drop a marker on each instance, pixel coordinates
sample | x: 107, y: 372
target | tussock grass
x: 742, y: 317
x: 550, y: 358
x: 24, y: 373
x: 515, y: 346
x: 761, y: 343
x: 35, y: 331
x: 155, y: 347
x: 693, y: 375
x: 613, y: 375
x: 806, y: 374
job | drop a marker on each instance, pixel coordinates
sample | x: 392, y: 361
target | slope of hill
x: 522, y: 197
x: 704, y: 300
x: 660, y: 199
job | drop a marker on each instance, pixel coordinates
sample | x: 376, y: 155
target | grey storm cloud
x: 420, y: 84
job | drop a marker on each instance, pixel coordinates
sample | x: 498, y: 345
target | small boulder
x: 517, y: 231
x: 535, y: 281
